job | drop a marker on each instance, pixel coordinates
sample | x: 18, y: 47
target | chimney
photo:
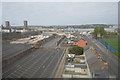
x: 2, y: 26
x: 7, y: 23
x: 25, y: 24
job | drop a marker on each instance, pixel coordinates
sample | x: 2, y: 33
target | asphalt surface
x: 9, y: 50
x: 51, y: 44
x: 107, y: 57
x: 95, y: 65
x: 41, y: 63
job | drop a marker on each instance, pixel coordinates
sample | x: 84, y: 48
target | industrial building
x: 8, y: 28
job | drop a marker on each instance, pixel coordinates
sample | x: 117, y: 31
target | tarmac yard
x: 9, y: 50
x: 41, y: 63
x: 107, y: 56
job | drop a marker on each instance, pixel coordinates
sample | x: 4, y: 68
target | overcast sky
x: 66, y: 13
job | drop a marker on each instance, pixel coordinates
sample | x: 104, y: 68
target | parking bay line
x: 25, y: 63
x: 49, y: 64
x: 42, y: 64
x: 24, y: 60
x: 34, y: 63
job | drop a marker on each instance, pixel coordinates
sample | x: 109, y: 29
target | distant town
x: 25, y: 27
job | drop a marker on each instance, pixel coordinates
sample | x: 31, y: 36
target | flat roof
x: 81, y: 66
x: 81, y: 57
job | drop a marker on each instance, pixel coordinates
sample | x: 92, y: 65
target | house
x: 76, y: 68
x: 81, y: 43
x: 81, y: 68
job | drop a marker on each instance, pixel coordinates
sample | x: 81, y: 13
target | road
x: 106, y: 55
x: 41, y: 63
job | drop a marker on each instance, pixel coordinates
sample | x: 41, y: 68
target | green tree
x: 102, y: 32
x: 99, y: 32
x: 76, y: 50
x: 111, y: 33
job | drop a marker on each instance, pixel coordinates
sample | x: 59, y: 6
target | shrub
x: 76, y: 50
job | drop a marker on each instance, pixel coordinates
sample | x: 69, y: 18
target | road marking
x: 50, y: 63
x: 10, y: 77
x: 20, y: 71
x: 24, y: 65
x: 36, y: 62
x: 21, y: 64
x: 17, y: 64
x: 32, y: 64
x: 43, y: 63
x: 17, y: 73
x: 26, y: 75
x: 14, y: 76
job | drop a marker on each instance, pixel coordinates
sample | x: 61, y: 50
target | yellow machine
x: 70, y: 42
x: 38, y: 46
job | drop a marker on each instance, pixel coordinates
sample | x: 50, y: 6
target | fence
x: 107, y: 46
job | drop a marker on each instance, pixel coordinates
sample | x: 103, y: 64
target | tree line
x: 99, y: 32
